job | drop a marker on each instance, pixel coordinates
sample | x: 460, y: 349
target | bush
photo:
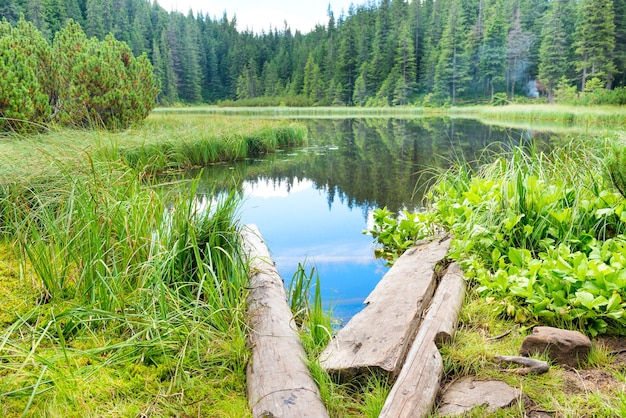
x: 24, y: 57
x: 264, y: 101
x: 77, y: 82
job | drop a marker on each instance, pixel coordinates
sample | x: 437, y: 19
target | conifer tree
x: 493, y: 49
x: 518, y: 45
x: 451, y: 70
x: 553, y: 51
x: 596, y: 41
x: 24, y: 61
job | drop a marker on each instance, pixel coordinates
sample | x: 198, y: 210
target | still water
x: 313, y: 203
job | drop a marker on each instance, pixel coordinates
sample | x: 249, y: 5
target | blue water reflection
x: 298, y: 225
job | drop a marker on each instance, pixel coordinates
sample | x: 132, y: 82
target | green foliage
x: 132, y: 288
x: 24, y: 59
x: 499, y: 99
x: 617, y: 167
x: 100, y: 83
x: 308, y: 310
x: 77, y: 82
x: 539, y: 234
x: 397, y: 234
x: 564, y: 92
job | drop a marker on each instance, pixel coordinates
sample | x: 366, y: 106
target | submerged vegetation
x: 112, y: 282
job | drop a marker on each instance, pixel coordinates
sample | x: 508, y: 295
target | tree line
x: 385, y: 52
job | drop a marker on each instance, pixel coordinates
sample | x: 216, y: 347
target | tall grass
x: 129, y: 277
x: 184, y: 141
x: 134, y: 282
x: 563, y: 114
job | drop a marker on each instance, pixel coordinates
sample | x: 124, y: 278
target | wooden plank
x: 279, y: 382
x: 414, y: 392
x: 378, y: 337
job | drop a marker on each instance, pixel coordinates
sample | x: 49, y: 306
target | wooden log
x: 378, y: 337
x: 414, y: 392
x: 279, y: 382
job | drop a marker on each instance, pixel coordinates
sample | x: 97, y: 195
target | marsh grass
x: 124, y: 284
x: 136, y: 293
x: 562, y: 114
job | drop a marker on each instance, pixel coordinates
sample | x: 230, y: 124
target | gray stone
x: 467, y: 393
x: 562, y: 346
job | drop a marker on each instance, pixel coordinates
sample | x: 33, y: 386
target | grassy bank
x: 119, y: 297
x: 580, y: 116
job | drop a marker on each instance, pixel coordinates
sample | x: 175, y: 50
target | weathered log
x: 378, y: 337
x: 279, y: 382
x: 414, y: 392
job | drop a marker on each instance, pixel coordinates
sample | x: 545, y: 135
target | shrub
x: 24, y: 58
x: 78, y: 81
x: 100, y: 82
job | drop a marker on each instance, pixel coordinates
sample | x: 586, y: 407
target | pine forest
x: 380, y: 53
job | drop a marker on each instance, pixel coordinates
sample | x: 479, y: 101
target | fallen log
x: 279, y: 382
x: 378, y: 337
x: 415, y: 390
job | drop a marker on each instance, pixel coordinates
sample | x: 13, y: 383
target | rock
x: 467, y: 393
x: 562, y: 346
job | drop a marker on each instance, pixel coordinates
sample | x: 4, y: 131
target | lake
x: 313, y: 203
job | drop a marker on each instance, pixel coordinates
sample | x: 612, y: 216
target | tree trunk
x: 378, y: 337
x: 279, y: 382
x: 413, y: 395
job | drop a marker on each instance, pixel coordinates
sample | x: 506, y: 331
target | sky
x: 258, y: 15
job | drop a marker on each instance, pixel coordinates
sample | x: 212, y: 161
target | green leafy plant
x: 397, y: 233
x: 539, y: 234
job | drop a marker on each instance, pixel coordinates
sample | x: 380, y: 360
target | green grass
x: 581, y: 116
x: 474, y: 347
x: 116, y: 284
x: 137, y: 296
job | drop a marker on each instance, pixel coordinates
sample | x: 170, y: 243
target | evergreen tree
x: 451, y: 70
x: 94, y: 24
x: 25, y: 62
x: 553, y: 51
x: 619, y: 57
x: 518, y: 45
x: 596, y: 41
x: 346, y: 72
x: 405, y: 66
x: 493, y: 49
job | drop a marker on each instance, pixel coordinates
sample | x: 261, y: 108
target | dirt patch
x: 584, y: 381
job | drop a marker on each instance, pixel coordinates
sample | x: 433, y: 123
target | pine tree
x: 25, y: 61
x: 518, y: 45
x: 493, y: 49
x: 405, y: 66
x: 619, y: 57
x: 451, y: 70
x: 596, y: 41
x: 553, y: 51
x: 346, y: 61
x: 94, y: 24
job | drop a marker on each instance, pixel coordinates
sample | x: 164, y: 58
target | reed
x: 568, y: 115
x: 132, y: 281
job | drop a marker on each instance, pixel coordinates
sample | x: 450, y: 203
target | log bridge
x: 410, y: 313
